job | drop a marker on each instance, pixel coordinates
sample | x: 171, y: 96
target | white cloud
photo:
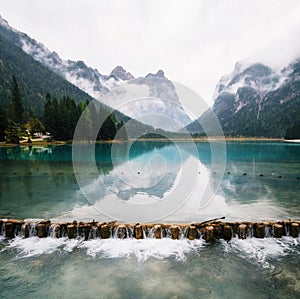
x: 194, y: 42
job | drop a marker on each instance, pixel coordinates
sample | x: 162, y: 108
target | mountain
x: 118, y: 73
x: 151, y: 99
x: 256, y: 100
x: 34, y: 79
x: 105, y: 87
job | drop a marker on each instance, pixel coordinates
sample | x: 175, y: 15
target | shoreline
x: 205, y: 139
x: 197, y: 139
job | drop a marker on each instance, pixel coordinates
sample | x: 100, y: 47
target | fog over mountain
x: 256, y: 100
x: 194, y: 42
x: 161, y: 94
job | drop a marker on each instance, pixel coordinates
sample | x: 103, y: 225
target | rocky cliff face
x: 256, y: 100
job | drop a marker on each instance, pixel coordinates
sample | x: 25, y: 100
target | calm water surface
x: 261, y: 181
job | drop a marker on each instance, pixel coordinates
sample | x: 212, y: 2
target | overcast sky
x: 194, y: 42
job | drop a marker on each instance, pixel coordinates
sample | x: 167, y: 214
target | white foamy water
x: 262, y: 250
x: 142, y: 249
x: 35, y: 246
x: 108, y: 248
x: 258, y: 251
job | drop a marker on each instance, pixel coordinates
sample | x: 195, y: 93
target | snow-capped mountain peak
x: 257, y: 76
x: 104, y: 87
x: 120, y: 74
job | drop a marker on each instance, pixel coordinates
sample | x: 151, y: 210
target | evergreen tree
x: 108, y: 129
x: 55, y: 121
x: 61, y: 118
x: 95, y: 120
x: 51, y: 117
x: 11, y: 133
x: 63, y: 121
x: 48, y: 113
x: 68, y: 118
x: 17, y: 106
x: 3, y: 124
x: 86, y: 125
x: 73, y: 115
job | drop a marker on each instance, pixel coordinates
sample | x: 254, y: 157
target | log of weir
x: 210, y: 231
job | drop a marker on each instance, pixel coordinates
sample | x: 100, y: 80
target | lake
x: 161, y: 181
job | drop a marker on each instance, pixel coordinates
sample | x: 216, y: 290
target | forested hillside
x: 35, y: 83
x: 34, y: 80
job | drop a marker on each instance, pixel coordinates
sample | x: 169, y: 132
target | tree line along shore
x: 58, y: 123
x: 60, y: 117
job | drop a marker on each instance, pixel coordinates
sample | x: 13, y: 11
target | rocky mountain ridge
x: 101, y: 86
x: 256, y: 100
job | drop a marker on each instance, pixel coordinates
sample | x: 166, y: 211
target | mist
x: 195, y: 42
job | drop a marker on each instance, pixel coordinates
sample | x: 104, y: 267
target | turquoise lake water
x: 254, y: 181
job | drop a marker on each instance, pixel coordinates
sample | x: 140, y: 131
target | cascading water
x: 94, y: 230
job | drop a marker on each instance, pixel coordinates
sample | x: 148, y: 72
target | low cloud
x: 194, y: 42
